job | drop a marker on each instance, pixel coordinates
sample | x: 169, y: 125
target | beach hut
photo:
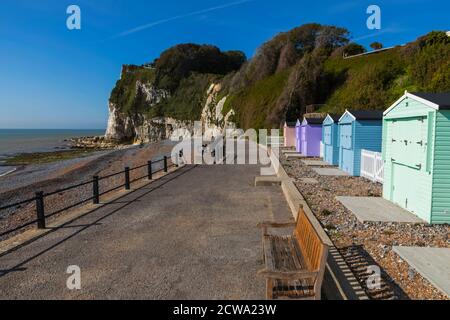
x: 416, y: 154
x: 311, y: 136
x: 298, y: 136
x: 289, y: 134
x: 330, y: 139
x: 358, y: 130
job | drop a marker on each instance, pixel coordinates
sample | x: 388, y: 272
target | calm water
x: 13, y: 141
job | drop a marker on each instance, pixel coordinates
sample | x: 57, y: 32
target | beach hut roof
x: 291, y: 124
x: 438, y: 101
x: 364, y: 114
x: 315, y: 120
x: 442, y: 100
x: 334, y: 117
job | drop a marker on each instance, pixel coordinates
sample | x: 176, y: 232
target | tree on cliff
x: 286, y: 49
x: 179, y: 62
x: 300, y: 52
x: 293, y: 70
x: 296, y: 69
x: 376, y: 45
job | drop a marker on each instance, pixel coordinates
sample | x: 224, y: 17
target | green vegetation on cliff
x: 178, y: 81
x: 125, y: 93
x: 262, y: 96
x: 376, y: 81
x: 188, y: 100
x: 311, y: 61
x: 312, y: 67
x: 179, y: 62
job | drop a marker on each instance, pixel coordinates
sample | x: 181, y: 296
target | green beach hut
x: 416, y: 154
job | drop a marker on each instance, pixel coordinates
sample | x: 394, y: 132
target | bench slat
x: 295, y: 264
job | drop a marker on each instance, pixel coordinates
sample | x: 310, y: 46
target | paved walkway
x: 432, y: 263
x: 192, y: 235
x: 375, y: 209
x: 332, y: 172
x: 316, y: 163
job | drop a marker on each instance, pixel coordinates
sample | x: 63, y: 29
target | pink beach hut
x: 289, y: 134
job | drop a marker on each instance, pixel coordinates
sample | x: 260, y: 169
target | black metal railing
x: 40, y: 196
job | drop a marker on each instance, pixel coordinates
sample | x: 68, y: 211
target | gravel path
x: 371, y: 243
x: 50, y: 177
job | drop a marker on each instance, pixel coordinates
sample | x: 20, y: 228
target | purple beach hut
x: 311, y: 136
x: 298, y: 141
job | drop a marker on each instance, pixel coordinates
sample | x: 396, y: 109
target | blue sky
x: 51, y: 77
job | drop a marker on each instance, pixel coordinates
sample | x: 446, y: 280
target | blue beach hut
x: 358, y: 130
x: 330, y: 139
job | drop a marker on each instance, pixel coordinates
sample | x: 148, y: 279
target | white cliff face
x: 137, y: 128
x: 122, y: 127
x: 213, y: 120
x: 119, y: 126
x: 152, y: 95
x: 162, y: 128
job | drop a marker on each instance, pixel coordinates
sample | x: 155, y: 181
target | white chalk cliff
x: 138, y: 128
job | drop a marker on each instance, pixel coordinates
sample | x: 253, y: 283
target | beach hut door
x: 346, y: 148
x: 401, y: 185
x: 328, y: 141
x: 327, y: 135
x: 409, y: 160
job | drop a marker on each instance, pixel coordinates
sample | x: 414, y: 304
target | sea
x: 15, y: 141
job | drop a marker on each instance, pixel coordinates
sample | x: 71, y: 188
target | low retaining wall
x: 339, y: 283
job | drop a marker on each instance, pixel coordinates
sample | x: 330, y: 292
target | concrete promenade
x: 190, y: 235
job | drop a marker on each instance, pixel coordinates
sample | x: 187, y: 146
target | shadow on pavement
x: 358, y: 259
x: 159, y: 183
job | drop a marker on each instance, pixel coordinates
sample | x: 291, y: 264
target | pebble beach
x: 365, y: 244
x: 25, y: 181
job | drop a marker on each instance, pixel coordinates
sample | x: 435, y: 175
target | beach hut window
x: 346, y: 136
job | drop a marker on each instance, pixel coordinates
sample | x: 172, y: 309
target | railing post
x: 127, y: 178
x: 165, y: 164
x: 180, y: 158
x: 95, y: 190
x: 40, y: 210
x: 149, y: 170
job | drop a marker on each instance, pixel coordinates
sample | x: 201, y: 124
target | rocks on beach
x: 99, y: 142
x: 369, y: 244
x: 50, y: 177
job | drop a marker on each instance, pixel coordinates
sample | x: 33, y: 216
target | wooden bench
x: 295, y: 264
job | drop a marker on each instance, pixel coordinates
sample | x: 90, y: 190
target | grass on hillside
x: 188, y: 100
x: 254, y: 104
x: 366, y: 82
x: 376, y: 81
x: 124, y: 93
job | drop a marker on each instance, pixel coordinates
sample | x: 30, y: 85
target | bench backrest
x: 313, y: 249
